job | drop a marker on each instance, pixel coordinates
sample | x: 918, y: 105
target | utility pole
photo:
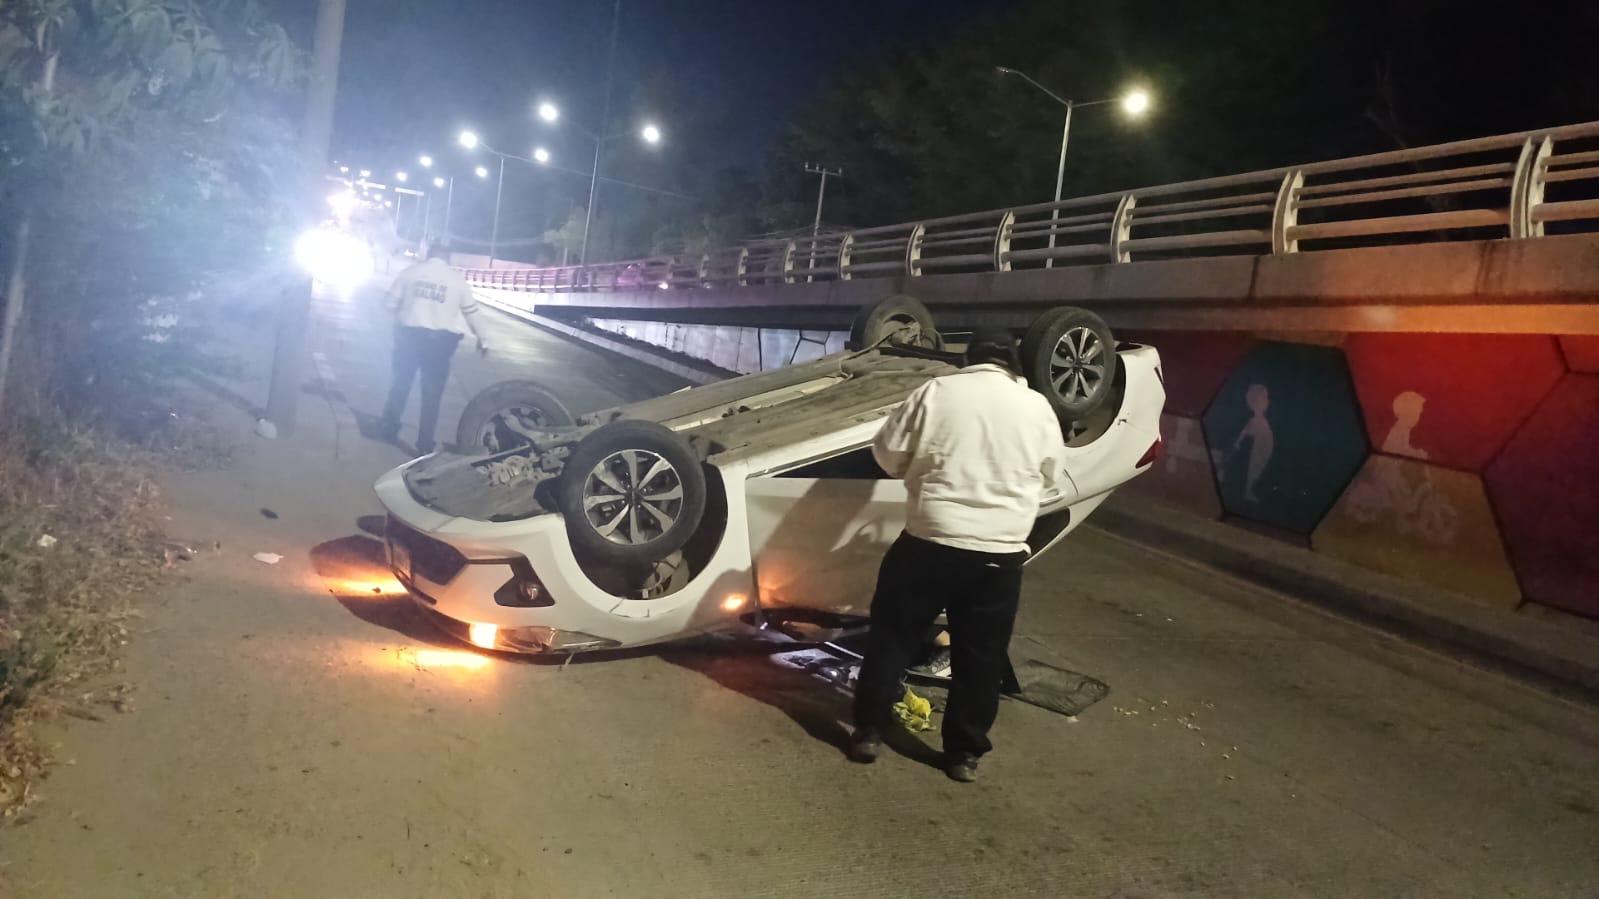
x: 17, y: 281
x: 821, y: 194
x: 316, y: 133
x: 494, y: 236
x: 605, y: 124
x: 449, y: 206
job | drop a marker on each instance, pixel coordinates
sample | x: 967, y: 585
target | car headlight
x: 333, y: 257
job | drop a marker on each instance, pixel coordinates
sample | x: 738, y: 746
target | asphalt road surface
x: 298, y: 732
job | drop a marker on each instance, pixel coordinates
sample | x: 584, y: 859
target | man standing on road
x: 434, y: 307
x: 977, y: 449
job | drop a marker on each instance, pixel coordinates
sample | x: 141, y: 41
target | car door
x: 818, y: 532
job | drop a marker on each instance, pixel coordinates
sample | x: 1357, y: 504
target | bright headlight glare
x: 333, y: 257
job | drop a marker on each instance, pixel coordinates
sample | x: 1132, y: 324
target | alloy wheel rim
x: 1077, y: 366
x: 633, y: 497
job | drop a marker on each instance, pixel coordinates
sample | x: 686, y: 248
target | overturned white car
x: 746, y: 501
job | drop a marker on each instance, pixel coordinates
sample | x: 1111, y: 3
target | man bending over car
x: 977, y: 449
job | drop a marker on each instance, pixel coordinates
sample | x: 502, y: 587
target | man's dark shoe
x: 388, y: 431
x: 961, y: 766
x: 865, y: 746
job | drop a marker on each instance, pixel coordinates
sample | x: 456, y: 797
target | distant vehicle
x: 751, y: 500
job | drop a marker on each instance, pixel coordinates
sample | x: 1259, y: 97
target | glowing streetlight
x: 651, y: 134
x: 401, y: 177
x: 426, y: 160
x: 548, y: 111
x: 1134, y: 103
x: 438, y: 183
x: 481, y: 171
x: 366, y: 173
x: 344, y: 170
x: 541, y: 155
x: 469, y: 140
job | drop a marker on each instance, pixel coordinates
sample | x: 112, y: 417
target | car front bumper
x: 468, y: 575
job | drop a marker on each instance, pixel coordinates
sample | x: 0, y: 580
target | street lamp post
x: 471, y: 141
x: 1135, y: 103
x: 650, y: 133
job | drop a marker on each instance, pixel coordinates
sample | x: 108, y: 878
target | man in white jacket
x: 434, y: 308
x: 977, y: 450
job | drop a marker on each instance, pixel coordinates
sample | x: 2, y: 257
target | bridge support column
x: 913, y: 250
x: 1526, y: 187
x: 788, y: 262
x: 1285, y: 213
x: 1002, y: 235
x: 1121, y: 228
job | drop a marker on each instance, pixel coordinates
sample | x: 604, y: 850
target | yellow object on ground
x: 914, y: 712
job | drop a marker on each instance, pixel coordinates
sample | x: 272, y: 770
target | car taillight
x: 1151, y: 454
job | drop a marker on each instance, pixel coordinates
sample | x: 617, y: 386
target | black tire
x: 483, y: 429
x: 1079, y: 378
x: 899, y: 320
x: 624, y: 531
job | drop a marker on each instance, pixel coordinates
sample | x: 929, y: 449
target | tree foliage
x: 1239, y: 84
x: 158, y: 168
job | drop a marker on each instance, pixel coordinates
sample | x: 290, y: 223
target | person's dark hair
x: 439, y: 249
x: 993, y: 346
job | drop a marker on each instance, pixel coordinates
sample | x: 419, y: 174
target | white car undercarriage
x: 726, y: 505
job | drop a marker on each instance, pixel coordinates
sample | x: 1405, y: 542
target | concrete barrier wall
x: 739, y: 349
x: 1464, y: 462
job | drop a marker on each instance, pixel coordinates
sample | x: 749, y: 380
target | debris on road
x: 915, y: 712
x: 268, y: 558
x: 47, y: 541
x: 268, y: 513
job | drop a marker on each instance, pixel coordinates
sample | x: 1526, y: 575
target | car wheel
x: 898, y: 320
x: 632, y: 493
x: 495, y: 419
x: 1069, y: 355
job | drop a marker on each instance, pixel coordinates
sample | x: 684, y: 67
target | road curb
x: 1561, y: 656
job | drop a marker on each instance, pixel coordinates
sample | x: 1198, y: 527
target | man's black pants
x: 429, y: 352
x: 979, y: 592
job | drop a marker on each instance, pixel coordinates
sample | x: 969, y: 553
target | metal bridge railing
x: 1509, y: 186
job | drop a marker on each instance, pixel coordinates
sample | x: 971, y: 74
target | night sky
x: 1242, y: 83
x: 729, y: 69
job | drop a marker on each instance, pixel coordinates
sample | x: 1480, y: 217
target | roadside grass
x: 80, y: 539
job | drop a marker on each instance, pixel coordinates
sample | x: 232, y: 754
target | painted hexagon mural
x: 1195, y: 364
x: 1286, y: 435
x: 1422, y: 523
x: 1182, y: 476
x: 1545, y: 489
x: 1451, y: 399
x: 1582, y: 353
